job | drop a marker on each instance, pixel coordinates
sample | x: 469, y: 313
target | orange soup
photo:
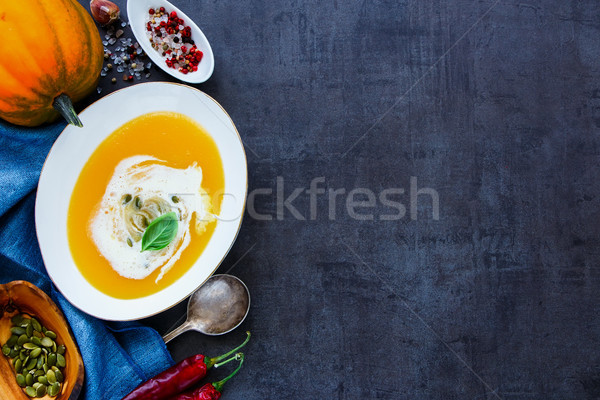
x: 178, y: 142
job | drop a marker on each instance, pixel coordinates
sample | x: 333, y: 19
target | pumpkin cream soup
x: 144, y: 206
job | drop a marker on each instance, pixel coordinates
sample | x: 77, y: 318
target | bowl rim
x: 226, y: 252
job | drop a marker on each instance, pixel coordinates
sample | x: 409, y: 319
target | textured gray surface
x: 496, y: 106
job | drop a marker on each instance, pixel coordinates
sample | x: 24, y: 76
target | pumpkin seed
x: 36, y: 325
x: 38, y: 335
x: 45, y: 367
x: 30, y: 346
x: 47, y: 342
x: 61, y: 349
x: 54, y: 347
x: 51, y: 334
x: 29, y: 330
x: 175, y: 199
x: 13, y: 353
x: 35, y: 352
x: 23, y: 354
x: 24, y: 323
x: 36, y: 385
x: 17, y: 330
x: 6, y: 350
x: 138, y: 202
x: 51, y: 376
x: 36, y: 340
x: 38, y: 372
x: 51, y: 359
x: 22, y: 339
x: 21, y: 380
x: 40, y: 363
x: 12, y: 341
x: 18, y: 364
x: 59, y: 375
x: 54, y: 389
x: 43, y: 380
x: 126, y: 198
x: 17, y: 319
x: 31, y: 364
x: 31, y: 392
x: 129, y: 242
x: 60, y: 361
x: 29, y: 379
x: 41, y: 391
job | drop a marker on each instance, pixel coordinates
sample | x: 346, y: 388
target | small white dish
x: 137, y: 12
x: 71, y: 152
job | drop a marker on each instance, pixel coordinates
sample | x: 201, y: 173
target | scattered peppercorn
x: 114, y: 80
x: 169, y: 36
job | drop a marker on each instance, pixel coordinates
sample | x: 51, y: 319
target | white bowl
x: 137, y: 11
x: 70, y: 153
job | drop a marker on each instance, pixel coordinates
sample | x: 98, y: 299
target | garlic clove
x: 104, y: 12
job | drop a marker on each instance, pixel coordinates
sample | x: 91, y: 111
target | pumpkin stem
x: 63, y: 105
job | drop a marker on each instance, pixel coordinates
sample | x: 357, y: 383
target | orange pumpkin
x: 50, y: 53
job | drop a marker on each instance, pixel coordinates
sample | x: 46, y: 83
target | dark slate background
x: 496, y: 106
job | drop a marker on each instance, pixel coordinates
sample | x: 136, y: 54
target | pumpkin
x: 50, y: 55
x: 19, y: 297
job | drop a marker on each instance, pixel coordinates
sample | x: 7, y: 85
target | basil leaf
x: 160, y: 232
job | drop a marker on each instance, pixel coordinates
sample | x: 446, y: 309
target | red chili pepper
x: 179, y: 377
x: 210, y: 391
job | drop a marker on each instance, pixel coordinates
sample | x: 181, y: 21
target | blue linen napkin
x: 116, y: 356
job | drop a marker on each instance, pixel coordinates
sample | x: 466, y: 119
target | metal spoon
x: 217, y: 307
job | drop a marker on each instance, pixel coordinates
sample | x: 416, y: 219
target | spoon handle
x: 186, y: 326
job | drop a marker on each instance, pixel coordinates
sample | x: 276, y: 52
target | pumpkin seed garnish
x: 29, y: 330
x: 60, y: 361
x: 18, y: 364
x: 36, y: 351
x: 51, y: 376
x: 12, y: 341
x: 17, y: 330
x: 31, y: 392
x: 36, y: 325
x: 51, y: 360
x: 35, y: 355
x: 22, y: 339
x: 59, y: 375
x: 41, y: 391
x: 21, y: 380
x: 54, y: 389
x: 30, y: 346
x: 32, y: 363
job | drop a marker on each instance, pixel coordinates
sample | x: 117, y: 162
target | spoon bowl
x: 137, y: 12
x: 216, y: 308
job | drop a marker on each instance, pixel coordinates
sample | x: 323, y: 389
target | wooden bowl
x: 23, y: 297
